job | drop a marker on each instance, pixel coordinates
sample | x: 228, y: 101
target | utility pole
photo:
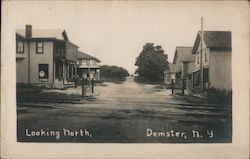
x: 83, y: 88
x: 201, y: 52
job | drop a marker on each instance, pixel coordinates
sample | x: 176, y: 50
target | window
x: 197, y: 78
x: 205, y: 55
x: 94, y: 63
x: 198, y: 58
x: 206, y: 75
x: 83, y: 62
x: 20, y: 47
x: 71, y: 70
x: 43, y: 72
x: 59, y: 70
x: 80, y: 62
x: 39, y: 47
x: 88, y: 62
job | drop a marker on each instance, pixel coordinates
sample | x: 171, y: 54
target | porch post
x: 83, y: 89
x: 63, y: 68
x: 92, y: 84
x: 182, y: 85
x: 72, y: 70
x: 172, y: 85
x: 54, y: 72
x: 76, y: 73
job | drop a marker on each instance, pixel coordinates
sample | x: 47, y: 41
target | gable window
x: 20, y: 47
x: 39, y: 47
x: 88, y: 62
x: 94, y: 63
x: 198, y: 58
x: 205, y: 55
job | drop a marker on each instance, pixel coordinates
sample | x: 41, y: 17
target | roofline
x: 175, y: 53
x: 39, y: 39
x: 183, y: 47
x: 46, y: 39
x: 199, y: 36
x: 187, y: 60
x: 91, y: 57
x: 215, y: 31
x: 67, y: 42
x: 195, y: 43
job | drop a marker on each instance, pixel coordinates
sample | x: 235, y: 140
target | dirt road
x: 125, y: 112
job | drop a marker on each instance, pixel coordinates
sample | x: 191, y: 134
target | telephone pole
x: 201, y: 59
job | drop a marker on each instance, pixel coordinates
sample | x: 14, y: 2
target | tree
x: 152, y: 62
x: 113, y: 72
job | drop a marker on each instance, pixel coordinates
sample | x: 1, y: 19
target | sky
x: 115, y: 32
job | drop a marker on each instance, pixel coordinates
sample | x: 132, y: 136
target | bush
x: 28, y: 90
x: 144, y: 80
x: 113, y: 72
x: 216, y: 96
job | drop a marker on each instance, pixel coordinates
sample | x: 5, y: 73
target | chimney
x: 28, y: 31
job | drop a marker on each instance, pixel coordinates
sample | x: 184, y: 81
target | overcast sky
x: 115, y: 31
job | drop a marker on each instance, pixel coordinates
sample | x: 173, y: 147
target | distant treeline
x: 113, y: 72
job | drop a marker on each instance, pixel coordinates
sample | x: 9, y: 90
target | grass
x: 33, y: 91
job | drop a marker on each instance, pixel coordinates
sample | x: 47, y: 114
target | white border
x: 238, y: 149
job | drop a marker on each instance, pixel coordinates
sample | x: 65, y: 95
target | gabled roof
x: 183, y: 54
x: 82, y: 55
x: 47, y: 34
x: 50, y: 33
x: 214, y: 40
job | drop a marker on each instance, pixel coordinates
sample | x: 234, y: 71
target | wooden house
x: 169, y: 75
x: 88, y: 66
x: 184, y: 61
x: 216, y: 60
x: 45, y: 58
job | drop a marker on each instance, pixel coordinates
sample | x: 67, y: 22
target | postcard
x: 125, y: 79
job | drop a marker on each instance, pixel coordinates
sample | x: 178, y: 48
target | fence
x: 178, y: 87
x: 87, y: 85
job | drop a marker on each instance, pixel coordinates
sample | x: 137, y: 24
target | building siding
x: 45, y: 58
x: 92, y: 63
x: 22, y: 65
x: 22, y: 70
x: 220, y: 70
x: 92, y: 68
x: 190, y: 67
x: 205, y: 63
x: 71, y: 52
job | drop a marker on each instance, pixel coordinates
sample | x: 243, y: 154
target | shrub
x: 216, y: 96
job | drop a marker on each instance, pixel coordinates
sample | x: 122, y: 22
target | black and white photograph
x: 124, y: 72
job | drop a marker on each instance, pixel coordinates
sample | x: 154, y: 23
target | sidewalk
x: 196, y: 100
x: 73, y: 95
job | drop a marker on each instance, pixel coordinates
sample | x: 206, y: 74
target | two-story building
x: 216, y: 60
x: 184, y: 61
x: 88, y: 66
x: 169, y: 75
x: 45, y: 58
x: 182, y: 67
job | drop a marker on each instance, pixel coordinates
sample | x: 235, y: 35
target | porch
x: 64, y: 73
x: 196, y: 80
x: 92, y: 73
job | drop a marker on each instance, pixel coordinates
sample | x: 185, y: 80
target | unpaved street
x: 124, y: 112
